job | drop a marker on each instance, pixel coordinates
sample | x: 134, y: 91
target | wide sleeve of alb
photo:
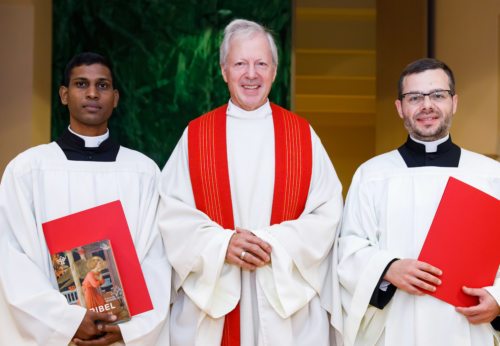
x: 28, y: 291
x: 150, y: 327
x: 301, y: 259
x: 361, y: 258
x: 196, y: 246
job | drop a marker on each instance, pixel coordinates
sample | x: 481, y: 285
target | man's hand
x: 256, y: 251
x: 88, y: 328
x: 112, y: 335
x: 485, y: 311
x: 412, y: 276
x: 95, y: 330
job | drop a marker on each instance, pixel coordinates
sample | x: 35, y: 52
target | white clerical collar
x: 431, y: 147
x: 91, y: 141
x: 259, y: 113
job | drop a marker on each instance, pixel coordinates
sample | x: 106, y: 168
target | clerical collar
x: 91, y: 142
x: 447, y: 153
x: 431, y: 147
x: 74, y: 148
x: 259, y: 113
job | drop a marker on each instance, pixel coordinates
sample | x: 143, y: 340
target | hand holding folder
x: 463, y: 241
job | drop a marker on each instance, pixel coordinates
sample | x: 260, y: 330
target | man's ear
x: 399, y: 108
x: 117, y: 97
x: 455, y: 103
x: 223, y: 71
x: 63, y: 94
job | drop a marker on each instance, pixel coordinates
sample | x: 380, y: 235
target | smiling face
x: 249, y: 71
x: 90, y: 98
x: 429, y: 120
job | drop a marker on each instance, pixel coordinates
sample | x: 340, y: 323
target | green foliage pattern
x: 165, y: 55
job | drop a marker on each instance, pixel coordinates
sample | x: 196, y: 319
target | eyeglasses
x: 415, y: 98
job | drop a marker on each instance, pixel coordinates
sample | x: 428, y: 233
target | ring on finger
x: 243, y: 253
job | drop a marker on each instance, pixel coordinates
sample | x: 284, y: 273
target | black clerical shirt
x: 75, y: 150
x: 414, y: 154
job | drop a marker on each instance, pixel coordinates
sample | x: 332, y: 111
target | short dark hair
x: 422, y: 65
x: 85, y: 58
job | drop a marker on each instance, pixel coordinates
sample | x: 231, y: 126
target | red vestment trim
x: 293, y: 164
x: 208, y: 169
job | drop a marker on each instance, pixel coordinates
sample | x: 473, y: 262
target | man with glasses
x: 390, y: 206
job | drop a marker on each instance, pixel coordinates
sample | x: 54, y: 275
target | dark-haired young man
x: 82, y: 169
x: 390, y: 206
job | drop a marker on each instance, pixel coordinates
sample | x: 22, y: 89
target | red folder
x: 106, y: 221
x: 463, y: 242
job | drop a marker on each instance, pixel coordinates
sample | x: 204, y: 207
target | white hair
x: 247, y: 28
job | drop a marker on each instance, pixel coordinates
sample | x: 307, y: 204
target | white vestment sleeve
x: 151, y: 327
x: 36, y: 306
x: 301, y: 249
x: 495, y: 289
x: 361, y: 259
x: 196, y: 246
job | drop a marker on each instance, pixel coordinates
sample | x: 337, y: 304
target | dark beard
x: 439, y: 133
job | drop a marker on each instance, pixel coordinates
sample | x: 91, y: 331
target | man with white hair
x: 250, y: 205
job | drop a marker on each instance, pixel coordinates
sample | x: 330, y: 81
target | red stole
x: 210, y: 177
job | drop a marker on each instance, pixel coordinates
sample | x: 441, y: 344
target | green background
x: 165, y: 56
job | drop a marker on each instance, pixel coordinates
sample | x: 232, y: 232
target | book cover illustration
x: 106, y: 221
x: 87, y: 275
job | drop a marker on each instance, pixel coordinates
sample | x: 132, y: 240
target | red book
x: 463, y: 242
x: 106, y: 221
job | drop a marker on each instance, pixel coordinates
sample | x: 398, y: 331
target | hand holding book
x: 94, y: 327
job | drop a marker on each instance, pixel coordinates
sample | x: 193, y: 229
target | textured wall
x: 165, y: 56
